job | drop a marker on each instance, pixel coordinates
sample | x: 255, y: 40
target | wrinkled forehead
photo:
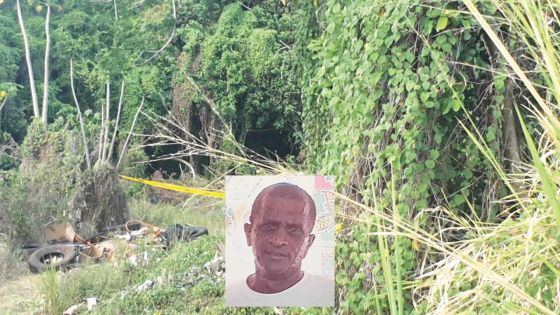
x: 284, y: 203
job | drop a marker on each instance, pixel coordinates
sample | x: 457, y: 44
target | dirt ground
x: 20, y: 296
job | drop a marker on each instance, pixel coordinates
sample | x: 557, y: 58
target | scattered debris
x: 211, y: 271
x: 216, y: 266
x: 72, y: 310
x: 52, y: 256
x: 180, y: 232
x: 63, y: 248
x: 148, y: 284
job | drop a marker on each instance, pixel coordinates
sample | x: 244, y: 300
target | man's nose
x: 279, y: 238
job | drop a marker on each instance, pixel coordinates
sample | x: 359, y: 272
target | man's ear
x: 247, y: 228
x: 310, y: 240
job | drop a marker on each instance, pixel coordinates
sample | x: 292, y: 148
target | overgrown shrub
x: 39, y: 191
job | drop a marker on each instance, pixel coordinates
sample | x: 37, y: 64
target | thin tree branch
x: 101, y: 133
x: 116, y: 13
x: 107, y: 122
x: 34, y: 100
x: 46, y: 76
x: 159, y: 51
x: 3, y: 103
x: 116, y: 128
x: 1, y: 107
x: 130, y: 133
x: 88, y: 159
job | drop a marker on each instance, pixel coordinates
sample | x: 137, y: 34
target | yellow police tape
x: 188, y: 190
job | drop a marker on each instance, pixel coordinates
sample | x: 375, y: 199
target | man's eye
x: 294, y: 230
x: 268, y: 227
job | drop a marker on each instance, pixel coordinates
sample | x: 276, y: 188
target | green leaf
x: 438, y: 137
x: 441, y: 23
x: 410, y: 156
x: 456, y: 105
x: 410, y: 85
x: 430, y: 164
x: 446, y: 108
x: 434, y: 154
x: 458, y: 200
x: 330, y: 28
x: 490, y: 134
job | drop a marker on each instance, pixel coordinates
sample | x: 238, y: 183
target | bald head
x: 285, y: 191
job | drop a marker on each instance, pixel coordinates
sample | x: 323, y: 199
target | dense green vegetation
x: 438, y: 119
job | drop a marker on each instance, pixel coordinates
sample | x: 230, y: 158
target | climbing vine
x: 389, y: 84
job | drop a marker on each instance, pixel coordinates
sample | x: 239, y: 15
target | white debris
x: 72, y: 310
x: 91, y: 303
x: 133, y: 260
x: 142, y: 231
x: 126, y: 237
x: 216, y: 266
x: 148, y: 284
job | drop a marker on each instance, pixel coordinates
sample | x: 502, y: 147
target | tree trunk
x: 34, y: 100
x: 46, y: 80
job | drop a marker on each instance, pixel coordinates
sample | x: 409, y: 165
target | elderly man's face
x: 279, y: 235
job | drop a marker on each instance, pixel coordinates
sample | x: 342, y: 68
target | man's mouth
x: 277, y: 255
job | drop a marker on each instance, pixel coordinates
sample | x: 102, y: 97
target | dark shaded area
x: 270, y: 143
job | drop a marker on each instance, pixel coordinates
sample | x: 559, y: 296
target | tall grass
x: 512, y: 267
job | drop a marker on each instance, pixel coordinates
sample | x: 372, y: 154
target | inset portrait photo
x: 279, y: 241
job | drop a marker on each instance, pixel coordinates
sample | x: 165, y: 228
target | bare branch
x: 3, y: 103
x: 101, y: 131
x: 115, y: 6
x: 159, y: 51
x: 88, y: 159
x: 130, y: 133
x: 46, y: 70
x: 34, y: 100
x: 116, y: 127
x: 194, y: 146
x: 104, y: 156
